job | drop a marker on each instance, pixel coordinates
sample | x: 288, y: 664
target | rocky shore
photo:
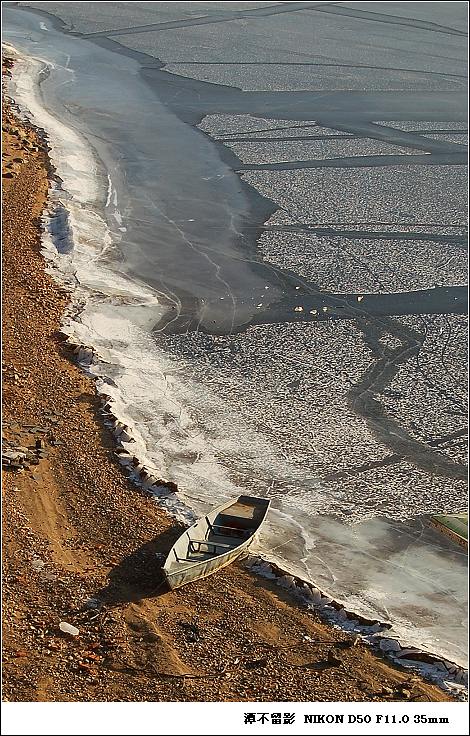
x: 85, y: 615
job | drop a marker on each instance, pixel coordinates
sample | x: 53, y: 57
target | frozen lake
x: 280, y: 301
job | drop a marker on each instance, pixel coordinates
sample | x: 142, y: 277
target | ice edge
x: 58, y: 238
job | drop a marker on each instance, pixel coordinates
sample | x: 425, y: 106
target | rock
x: 13, y: 454
x: 123, y: 457
x: 348, y: 643
x: 150, y: 482
x: 389, y: 645
x: 192, y: 632
x: 333, y: 659
x: 85, y: 355
x: 251, y: 560
x: 405, y: 652
x: 461, y: 677
x: 315, y: 595
x: 48, y: 576
x: 118, y: 428
x: 256, y: 663
x: 286, y: 581
x: 263, y: 567
x: 68, y: 628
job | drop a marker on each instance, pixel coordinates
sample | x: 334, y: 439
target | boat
x: 454, y: 526
x: 215, y: 540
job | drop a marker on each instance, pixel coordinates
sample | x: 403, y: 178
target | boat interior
x: 227, y: 530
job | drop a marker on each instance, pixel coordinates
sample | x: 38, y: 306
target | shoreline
x: 83, y: 357
x: 153, y: 401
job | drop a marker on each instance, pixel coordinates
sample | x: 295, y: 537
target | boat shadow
x: 139, y: 575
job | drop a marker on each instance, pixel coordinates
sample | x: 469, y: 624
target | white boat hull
x: 215, y: 540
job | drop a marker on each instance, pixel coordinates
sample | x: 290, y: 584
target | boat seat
x: 195, y: 545
x: 229, y: 531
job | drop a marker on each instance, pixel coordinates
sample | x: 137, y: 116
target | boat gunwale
x: 192, y: 565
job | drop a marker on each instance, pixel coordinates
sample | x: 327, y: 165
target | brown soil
x: 75, y: 529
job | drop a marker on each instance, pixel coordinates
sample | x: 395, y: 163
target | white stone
x: 68, y: 628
